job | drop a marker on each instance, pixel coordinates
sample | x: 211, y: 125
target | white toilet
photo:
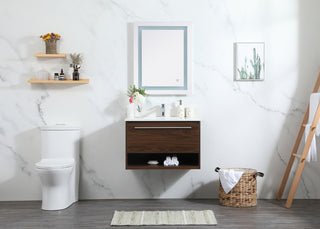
x: 59, y: 166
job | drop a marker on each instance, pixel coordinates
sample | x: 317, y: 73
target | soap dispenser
x: 180, y: 110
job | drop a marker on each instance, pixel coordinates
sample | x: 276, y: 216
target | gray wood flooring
x: 98, y: 214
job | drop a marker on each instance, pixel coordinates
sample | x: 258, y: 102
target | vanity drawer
x: 163, y: 137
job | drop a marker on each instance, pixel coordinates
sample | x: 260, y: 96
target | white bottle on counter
x: 180, y: 110
x: 188, y: 112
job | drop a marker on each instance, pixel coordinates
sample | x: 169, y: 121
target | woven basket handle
x: 260, y: 174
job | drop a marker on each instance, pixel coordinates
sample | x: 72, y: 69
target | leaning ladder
x: 302, y: 157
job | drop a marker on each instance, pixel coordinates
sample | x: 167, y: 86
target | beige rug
x: 144, y: 218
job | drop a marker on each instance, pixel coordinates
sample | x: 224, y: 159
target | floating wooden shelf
x: 68, y: 81
x: 58, y: 55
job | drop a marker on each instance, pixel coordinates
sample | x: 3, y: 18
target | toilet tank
x: 60, y: 141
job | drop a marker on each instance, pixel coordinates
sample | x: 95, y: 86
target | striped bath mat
x: 144, y: 218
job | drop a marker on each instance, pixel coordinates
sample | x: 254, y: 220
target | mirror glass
x: 162, y: 58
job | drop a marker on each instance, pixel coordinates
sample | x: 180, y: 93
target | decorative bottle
x: 56, y: 76
x: 61, y: 77
x: 75, y: 74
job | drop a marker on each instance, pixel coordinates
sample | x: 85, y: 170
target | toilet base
x: 49, y: 207
x: 57, y: 190
x: 56, y: 198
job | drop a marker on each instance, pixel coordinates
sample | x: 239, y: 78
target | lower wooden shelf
x: 67, y: 81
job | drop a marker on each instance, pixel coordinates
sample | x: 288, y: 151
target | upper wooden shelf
x: 58, y: 55
x: 68, y: 81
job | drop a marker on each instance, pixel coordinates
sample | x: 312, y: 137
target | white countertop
x: 154, y: 119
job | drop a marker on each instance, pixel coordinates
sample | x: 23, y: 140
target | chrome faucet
x: 163, y: 110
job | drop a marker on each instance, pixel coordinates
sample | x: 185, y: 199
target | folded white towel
x: 171, y: 161
x: 229, y: 178
x: 313, y: 105
x: 175, y: 161
x: 167, y: 162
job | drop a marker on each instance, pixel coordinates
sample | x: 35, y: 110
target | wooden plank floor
x: 98, y: 214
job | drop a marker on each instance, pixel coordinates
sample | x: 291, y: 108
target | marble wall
x: 244, y: 124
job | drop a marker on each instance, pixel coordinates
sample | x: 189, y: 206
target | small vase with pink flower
x: 136, y: 99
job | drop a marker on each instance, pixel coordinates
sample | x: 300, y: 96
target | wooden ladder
x: 302, y: 157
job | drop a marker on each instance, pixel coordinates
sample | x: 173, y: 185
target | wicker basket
x: 51, y: 46
x: 244, y: 194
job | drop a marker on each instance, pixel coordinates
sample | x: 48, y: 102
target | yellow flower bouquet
x: 50, y: 36
x: 51, y: 39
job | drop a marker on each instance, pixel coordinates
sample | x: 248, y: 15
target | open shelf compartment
x: 140, y: 160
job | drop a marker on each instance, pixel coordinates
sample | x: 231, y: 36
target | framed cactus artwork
x: 249, y: 61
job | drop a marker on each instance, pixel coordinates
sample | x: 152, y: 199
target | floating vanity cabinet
x: 155, y: 140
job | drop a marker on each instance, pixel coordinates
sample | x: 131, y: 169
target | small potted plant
x: 50, y: 40
x: 76, y: 61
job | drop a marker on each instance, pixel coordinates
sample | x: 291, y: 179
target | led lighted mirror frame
x: 162, y: 58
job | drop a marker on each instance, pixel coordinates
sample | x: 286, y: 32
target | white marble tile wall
x: 244, y: 124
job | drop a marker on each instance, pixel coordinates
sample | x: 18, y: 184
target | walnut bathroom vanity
x: 154, y: 140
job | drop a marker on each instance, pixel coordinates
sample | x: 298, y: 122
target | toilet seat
x: 55, y: 163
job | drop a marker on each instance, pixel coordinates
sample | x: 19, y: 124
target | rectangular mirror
x: 162, y: 58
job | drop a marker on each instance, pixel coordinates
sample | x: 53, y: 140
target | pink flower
x: 131, y: 100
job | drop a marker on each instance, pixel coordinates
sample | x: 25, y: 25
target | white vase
x: 138, y: 112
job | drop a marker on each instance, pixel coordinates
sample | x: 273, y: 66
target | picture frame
x: 249, y: 61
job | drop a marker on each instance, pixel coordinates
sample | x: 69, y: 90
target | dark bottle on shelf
x: 75, y: 74
x: 61, y: 75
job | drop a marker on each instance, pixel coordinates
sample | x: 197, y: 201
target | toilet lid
x: 55, y: 163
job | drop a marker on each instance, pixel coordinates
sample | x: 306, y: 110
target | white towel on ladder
x: 313, y: 105
x: 312, y: 154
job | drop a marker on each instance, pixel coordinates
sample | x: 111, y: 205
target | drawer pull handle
x: 161, y: 127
